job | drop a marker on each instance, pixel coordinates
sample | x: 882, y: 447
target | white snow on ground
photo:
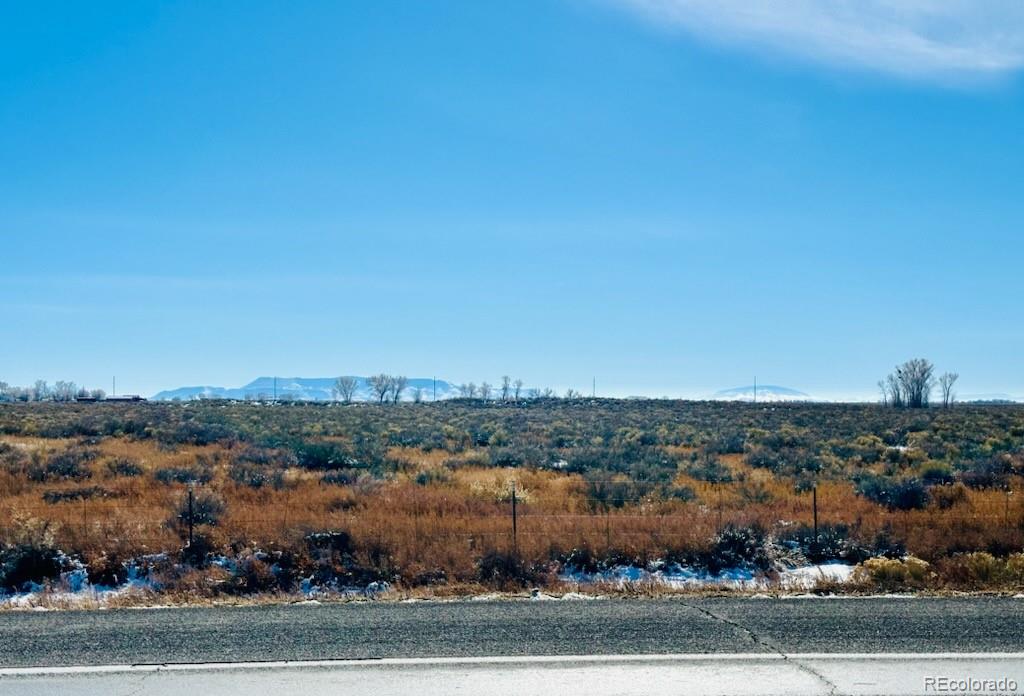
x: 73, y: 590
x: 677, y: 576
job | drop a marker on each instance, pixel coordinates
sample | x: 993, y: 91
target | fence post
x: 191, y: 516
x: 607, y: 529
x: 718, y: 487
x: 515, y: 521
x: 814, y: 501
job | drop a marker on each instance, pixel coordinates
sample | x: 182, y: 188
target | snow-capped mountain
x: 764, y: 392
x: 302, y: 389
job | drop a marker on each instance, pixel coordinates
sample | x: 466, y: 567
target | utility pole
x: 275, y: 390
x: 434, y: 398
x: 593, y: 392
x: 755, y: 389
x: 113, y: 387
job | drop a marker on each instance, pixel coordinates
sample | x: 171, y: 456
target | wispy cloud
x: 930, y: 39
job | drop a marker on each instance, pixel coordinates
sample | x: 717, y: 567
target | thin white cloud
x: 932, y: 39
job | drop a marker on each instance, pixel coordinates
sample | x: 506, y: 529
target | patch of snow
x: 577, y: 596
x: 677, y: 576
x: 807, y: 576
x: 489, y: 597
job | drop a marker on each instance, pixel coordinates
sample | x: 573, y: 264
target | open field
x: 289, y: 497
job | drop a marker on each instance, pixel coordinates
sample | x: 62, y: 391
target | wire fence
x: 178, y: 515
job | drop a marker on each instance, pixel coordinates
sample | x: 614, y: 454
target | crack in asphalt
x: 138, y: 690
x: 833, y: 689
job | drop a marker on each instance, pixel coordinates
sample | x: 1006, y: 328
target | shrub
x: 833, y: 544
x: 324, y: 456
x: 503, y: 570
x: 340, y: 477
x: 608, y: 490
x: 32, y: 557
x: 72, y: 463
x: 683, y: 493
x: 891, y: 574
x: 894, y: 493
x: 108, y: 569
x: 986, y: 473
x: 23, y: 564
x: 945, y: 497
x: 176, y: 474
x: 85, y: 493
x: 253, y: 574
x: 707, y: 467
x: 123, y: 466
x: 1015, y: 568
x: 936, y: 474
x: 427, y: 477
x: 255, y: 476
x: 980, y: 570
x: 197, y: 554
x: 430, y: 578
x: 738, y: 547
x: 206, y: 509
x: 984, y: 568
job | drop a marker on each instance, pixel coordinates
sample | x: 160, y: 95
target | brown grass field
x: 432, y: 516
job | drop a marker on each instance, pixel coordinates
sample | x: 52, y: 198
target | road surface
x: 606, y: 646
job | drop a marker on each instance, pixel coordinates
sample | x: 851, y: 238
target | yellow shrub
x: 892, y: 573
x: 984, y: 568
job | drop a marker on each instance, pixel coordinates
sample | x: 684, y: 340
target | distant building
x: 125, y: 397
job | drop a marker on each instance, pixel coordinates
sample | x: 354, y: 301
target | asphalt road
x: 468, y: 629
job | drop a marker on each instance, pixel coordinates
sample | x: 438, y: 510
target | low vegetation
x: 289, y: 497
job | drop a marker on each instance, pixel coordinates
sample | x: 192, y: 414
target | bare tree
x: 946, y: 382
x: 41, y: 390
x: 917, y: 381
x: 464, y: 391
x: 506, y: 387
x: 417, y: 395
x: 485, y: 391
x: 571, y: 394
x: 545, y: 393
x: 885, y: 392
x: 912, y: 383
x: 892, y: 385
x: 471, y: 390
x: 345, y: 389
x: 380, y: 386
x: 399, y: 384
x: 517, y: 388
x: 64, y: 391
x: 98, y: 394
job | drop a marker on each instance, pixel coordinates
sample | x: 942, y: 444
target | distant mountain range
x: 996, y: 397
x: 764, y: 392
x: 301, y: 389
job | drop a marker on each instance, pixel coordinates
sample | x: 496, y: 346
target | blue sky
x: 670, y: 195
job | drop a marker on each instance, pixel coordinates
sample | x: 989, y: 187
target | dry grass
x: 463, y: 511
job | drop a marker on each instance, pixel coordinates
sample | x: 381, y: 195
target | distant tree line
x: 912, y: 383
x: 391, y: 389
x: 41, y: 390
